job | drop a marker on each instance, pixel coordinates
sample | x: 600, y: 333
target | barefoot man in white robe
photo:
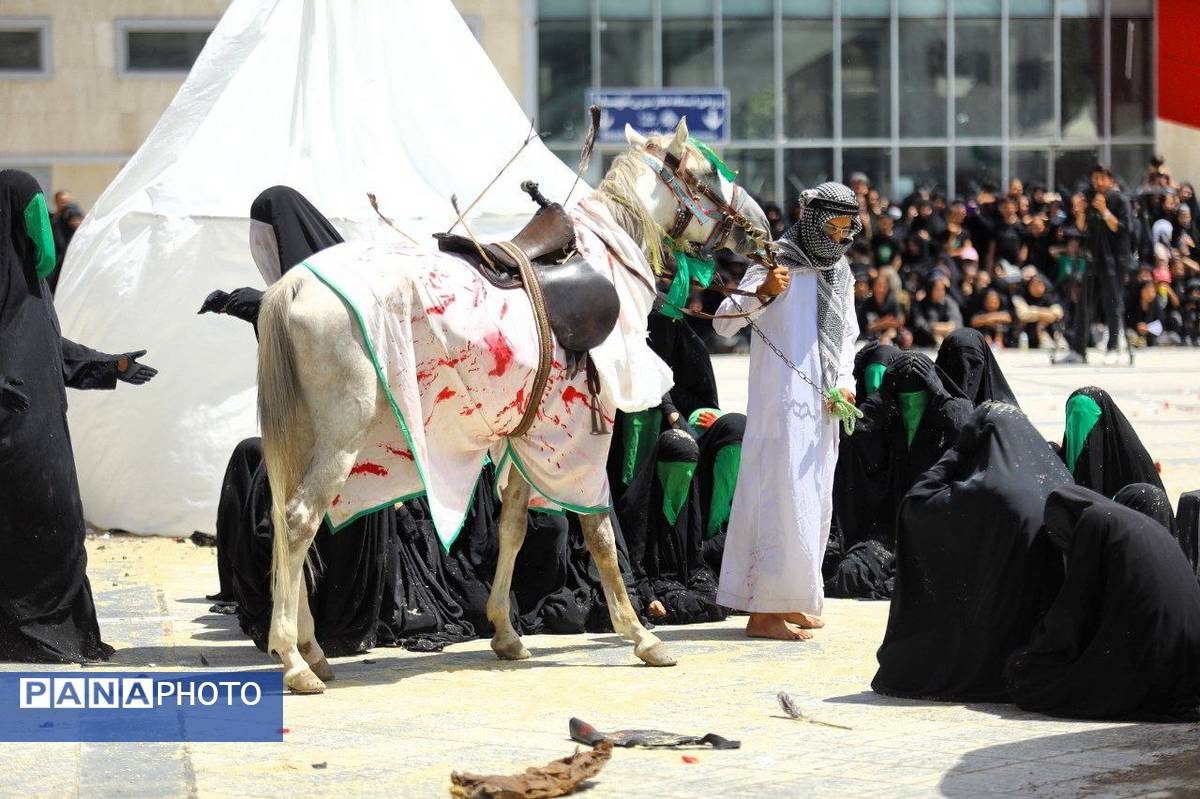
x: 779, y: 524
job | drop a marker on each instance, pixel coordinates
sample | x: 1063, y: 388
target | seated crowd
x: 1008, y: 265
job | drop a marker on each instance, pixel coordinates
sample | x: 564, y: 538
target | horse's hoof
x: 510, y: 649
x: 322, y: 669
x: 304, y: 682
x: 656, y: 655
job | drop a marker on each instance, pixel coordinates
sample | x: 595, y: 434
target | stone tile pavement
x: 396, y: 723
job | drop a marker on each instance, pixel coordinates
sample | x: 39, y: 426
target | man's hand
x: 847, y: 395
x: 705, y: 419
x: 775, y: 284
x: 12, y: 399
x: 215, y: 302
x: 1100, y: 203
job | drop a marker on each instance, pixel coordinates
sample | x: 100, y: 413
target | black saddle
x: 582, y: 304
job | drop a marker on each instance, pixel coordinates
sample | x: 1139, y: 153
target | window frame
x: 123, y: 26
x: 43, y: 25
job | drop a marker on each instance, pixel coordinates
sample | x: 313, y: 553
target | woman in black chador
x: 974, y: 571
x: 969, y: 369
x: 46, y: 608
x: 1122, y: 639
x: 1100, y: 446
x: 905, y: 428
x: 380, y: 579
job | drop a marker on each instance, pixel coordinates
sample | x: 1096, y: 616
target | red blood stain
x: 571, y: 394
x: 400, y: 453
x: 284, y: 730
x: 504, y: 309
x: 337, y: 500
x: 1158, y: 467
x: 369, y: 468
x: 501, y: 351
x: 466, y: 412
x: 423, y: 376
x: 445, y: 394
x: 690, y: 759
x: 452, y: 361
x: 433, y: 310
x: 556, y: 365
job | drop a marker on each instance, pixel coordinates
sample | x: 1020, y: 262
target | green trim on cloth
x: 873, y: 377
x: 584, y: 509
x: 725, y: 473
x: 37, y: 225
x: 638, y: 435
x: 1082, y: 415
x: 675, y: 479
x: 912, y: 408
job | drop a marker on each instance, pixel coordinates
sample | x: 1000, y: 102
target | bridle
x: 689, y: 192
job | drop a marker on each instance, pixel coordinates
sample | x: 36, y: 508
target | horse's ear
x: 680, y: 139
x: 633, y: 137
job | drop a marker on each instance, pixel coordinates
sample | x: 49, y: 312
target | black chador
x: 974, y: 570
x: 1122, y: 639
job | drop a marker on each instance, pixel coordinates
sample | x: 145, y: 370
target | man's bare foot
x: 805, y: 621
x: 656, y: 610
x: 774, y: 625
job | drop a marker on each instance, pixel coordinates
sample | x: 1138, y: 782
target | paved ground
x: 396, y: 723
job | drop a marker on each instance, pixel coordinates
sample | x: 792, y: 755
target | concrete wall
x: 84, y: 121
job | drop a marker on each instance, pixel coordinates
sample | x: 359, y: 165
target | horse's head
x: 669, y: 184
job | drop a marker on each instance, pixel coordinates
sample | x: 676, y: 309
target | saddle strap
x: 541, y: 319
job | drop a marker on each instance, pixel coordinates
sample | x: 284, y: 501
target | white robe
x: 783, y: 505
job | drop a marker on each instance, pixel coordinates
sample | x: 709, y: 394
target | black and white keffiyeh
x: 805, y: 246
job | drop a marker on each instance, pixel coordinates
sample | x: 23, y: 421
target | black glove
x: 12, y: 399
x: 215, y: 302
x: 134, y: 372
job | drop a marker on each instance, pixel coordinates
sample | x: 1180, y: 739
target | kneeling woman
x: 974, y: 571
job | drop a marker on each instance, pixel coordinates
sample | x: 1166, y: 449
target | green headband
x: 714, y: 159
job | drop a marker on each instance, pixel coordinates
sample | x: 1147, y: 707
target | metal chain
x: 775, y: 349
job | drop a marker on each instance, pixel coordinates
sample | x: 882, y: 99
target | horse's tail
x: 280, y: 416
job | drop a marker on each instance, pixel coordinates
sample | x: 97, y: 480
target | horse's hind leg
x: 513, y: 521
x: 601, y: 542
x: 308, y: 647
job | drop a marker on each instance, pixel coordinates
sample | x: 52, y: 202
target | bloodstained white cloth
x: 457, y: 357
x: 783, y: 506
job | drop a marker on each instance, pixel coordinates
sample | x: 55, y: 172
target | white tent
x: 334, y: 98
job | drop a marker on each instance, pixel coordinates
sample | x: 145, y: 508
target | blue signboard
x: 659, y: 111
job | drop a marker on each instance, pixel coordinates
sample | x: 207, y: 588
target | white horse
x: 322, y: 388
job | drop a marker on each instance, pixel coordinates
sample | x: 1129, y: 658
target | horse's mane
x: 618, y: 192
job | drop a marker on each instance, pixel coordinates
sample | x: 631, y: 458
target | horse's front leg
x: 601, y: 542
x: 513, y: 521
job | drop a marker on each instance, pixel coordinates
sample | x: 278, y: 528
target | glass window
x: 688, y: 52
x: 24, y: 46
x: 161, y: 46
x: 807, y: 78
x: 866, y: 8
x: 975, y: 166
x: 756, y: 172
x: 749, y: 46
x: 976, y: 8
x: 564, y: 75
x: 923, y: 77
x: 1031, y: 8
x: 1082, y: 84
x: 1129, y: 164
x: 803, y: 169
x: 1031, y: 166
x: 1081, y: 8
x: 1031, y: 77
x: 1132, y: 76
x: 1073, y: 169
x: 921, y: 168
x: 626, y: 43
x: 866, y: 78
x: 977, y: 77
x: 874, y: 162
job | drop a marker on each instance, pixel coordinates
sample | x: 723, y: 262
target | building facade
x: 945, y: 94
x: 942, y: 94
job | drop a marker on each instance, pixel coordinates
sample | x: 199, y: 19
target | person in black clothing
x: 885, y: 247
x: 1100, y: 446
x: 1107, y: 230
x: 1009, y: 245
x: 969, y: 370
x: 47, y: 614
x: 937, y: 315
x: 1122, y: 638
x: 974, y: 573
x: 881, y: 317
